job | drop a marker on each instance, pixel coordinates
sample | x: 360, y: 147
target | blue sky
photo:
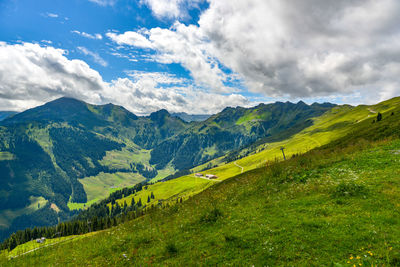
x: 197, y: 56
x: 57, y: 21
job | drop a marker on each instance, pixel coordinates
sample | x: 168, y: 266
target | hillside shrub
x: 211, y: 216
x: 350, y: 189
x: 171, y: 249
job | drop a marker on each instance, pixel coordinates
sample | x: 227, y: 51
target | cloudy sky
x: 198, y: 56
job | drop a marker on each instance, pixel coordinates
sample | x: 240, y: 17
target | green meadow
x: 100, y: 186
x: 6, y: 216
x: 331, y: 207
x: 335, y: 201
x: 4, y: 155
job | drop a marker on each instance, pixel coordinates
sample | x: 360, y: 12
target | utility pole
x: 282, y: 148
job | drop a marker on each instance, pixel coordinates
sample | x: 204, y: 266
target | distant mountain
x: 191, y: 117
x: 6, y: 114
x: 234, y: 128
x: 47, y: 150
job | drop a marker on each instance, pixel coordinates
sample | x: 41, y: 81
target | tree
x: 148, y: 199
x: 152, y: 195
x: 379, y: 117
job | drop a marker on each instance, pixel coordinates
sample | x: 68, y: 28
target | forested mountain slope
x: 337, y: 205
x: 68, y: 154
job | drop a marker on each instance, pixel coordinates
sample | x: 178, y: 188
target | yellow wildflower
x: 351, y: 257
x: 358, y: 257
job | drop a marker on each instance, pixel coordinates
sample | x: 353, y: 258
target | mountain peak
x: 158, y: 114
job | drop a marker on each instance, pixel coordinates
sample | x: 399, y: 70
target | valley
x: 344, y: 128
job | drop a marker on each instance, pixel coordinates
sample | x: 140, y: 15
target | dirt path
x: 32, y: 250
x: 239, y: 166
x: 205, y: 178
x: 371, y: 110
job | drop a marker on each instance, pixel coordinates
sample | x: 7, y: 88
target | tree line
x: 99, y: 216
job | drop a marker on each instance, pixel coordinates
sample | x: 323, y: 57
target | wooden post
x: 282, y: 148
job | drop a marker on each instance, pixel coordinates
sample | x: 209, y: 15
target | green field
x: 346, y: 193
x: 6, y: 216
x: 4, y: 155
x: 33, y: 246
x: 100, y: 186
x: 170, y: 191
x: 332, y: 125
x: 328, y: 207
x: 122, y: 159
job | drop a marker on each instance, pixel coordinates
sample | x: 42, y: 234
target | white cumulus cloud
x: 97, y: 36
x: 95, y: 56
x: 302, y: 48
x: 171, y: 9
x: 104, y: 2
x: 31, y: 74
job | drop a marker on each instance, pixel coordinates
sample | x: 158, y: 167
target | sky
x: 198, y: 56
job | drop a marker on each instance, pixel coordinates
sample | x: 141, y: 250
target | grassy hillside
x: 338, y: 207
x: 82, y: 165
x: 232, y: 129
x: 331, y: 126
x: 60, y: 151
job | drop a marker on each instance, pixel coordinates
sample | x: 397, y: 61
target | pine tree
x: 379, y: 117
x: 152, y: 195
x: 148, y: 199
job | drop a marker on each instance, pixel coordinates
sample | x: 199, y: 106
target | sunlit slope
x: 169, y: 191
x: 333, y: 125
x: 326, y: 208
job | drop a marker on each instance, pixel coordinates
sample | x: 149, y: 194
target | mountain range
x: 6, y: 114
x: 48, y: 153
x: 308, y: 173
x: 191, y: 117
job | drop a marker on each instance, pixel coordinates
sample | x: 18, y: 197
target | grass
x: 4, y: 155
x: 333, y: 125
x: 121, y: 159
x: 275, y: 215
x: 169, y: 169
x: 292, y: 213
x: 6, y: 216
x: 32, y: 246
x: 170, y: 191
x: 100, y: 186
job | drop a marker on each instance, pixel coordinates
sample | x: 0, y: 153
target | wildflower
x: 351, y: 257
x: 370, y: 253
x: 358, y: 257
